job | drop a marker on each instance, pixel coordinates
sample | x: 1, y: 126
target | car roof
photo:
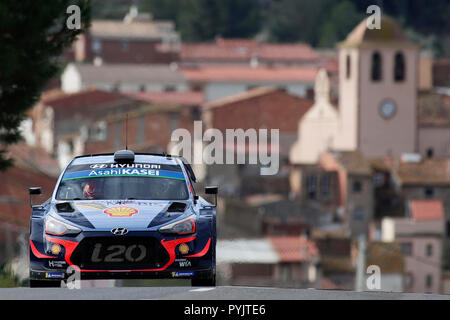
x: 139, y: 158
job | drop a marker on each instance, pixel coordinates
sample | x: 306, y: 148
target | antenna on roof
x: 126, y: 132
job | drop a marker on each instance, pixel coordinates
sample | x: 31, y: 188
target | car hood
x: 133, y: 215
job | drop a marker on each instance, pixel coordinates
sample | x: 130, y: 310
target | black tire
x: 45, y: 284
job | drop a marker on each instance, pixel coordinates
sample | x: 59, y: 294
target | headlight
x: 185, y: 226
x: 59, y: 228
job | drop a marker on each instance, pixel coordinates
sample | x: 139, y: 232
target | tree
x: 341, y: 21
x: 297, y: 20
x: 161, y: 9
x: 239, y: 18
x: 202, y: 20
x: 33, y: 35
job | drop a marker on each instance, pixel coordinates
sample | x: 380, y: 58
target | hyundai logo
x: 98, y: 166
x: 119, y: 231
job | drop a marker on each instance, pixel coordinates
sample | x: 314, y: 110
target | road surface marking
x: 201, y: 289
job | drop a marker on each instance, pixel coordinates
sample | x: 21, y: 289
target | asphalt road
x: 213, y: 293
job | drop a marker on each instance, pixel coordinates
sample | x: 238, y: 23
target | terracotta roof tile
x: 353, y: 161
x: 93, y: 75
x: 294, y: 249
x: 390, y: 33
x: 133, y: 30
x: 434, y: 110
x: 388, y: 256
x: 426, y: 210
x: 427, y: 172
x: 257, y: 92
x: 239, y: 50
x: 247, y: 73
x: 441, y: 73
x: 14, y: 197
x: 190, y: 98
x: 85, y: 98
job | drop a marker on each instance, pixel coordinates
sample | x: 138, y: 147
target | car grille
x: 119, y: 253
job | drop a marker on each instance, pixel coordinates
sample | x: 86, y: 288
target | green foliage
x: 161, y: 9
x: 32, y: 35
x: 297, y: 20
x: 110, y: 9
x: 7, y: 278
x: 202, y: 20
x: 341, y: 21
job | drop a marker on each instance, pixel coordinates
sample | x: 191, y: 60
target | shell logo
x: 120, y: 211
x: 184, y: 248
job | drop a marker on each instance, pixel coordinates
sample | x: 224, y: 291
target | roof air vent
x: 124, y: 156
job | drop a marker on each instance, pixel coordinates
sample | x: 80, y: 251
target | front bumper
x: 56, y: 258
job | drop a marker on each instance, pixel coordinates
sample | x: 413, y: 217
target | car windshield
x: 110, y: 188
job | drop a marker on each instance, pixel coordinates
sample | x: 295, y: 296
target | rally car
x: 124, y: 216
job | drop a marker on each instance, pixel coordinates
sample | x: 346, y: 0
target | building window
x: 358, y: 214
x: 399, y: 67
x: 325, y: 185
x: 429, y: 192
x: 173, y: 121
x: 379, y: 179
x: 196, y: 113
x: 377, y: 65
x: 348, y: 65
x: 429, y: 250
x: 357, y: 186
x: 409, y: 279
x: 448, y: 229
x: 406, y: 248
x: 96, y: 46
x: 125, y: 45
x: 99, y: 131
x: 429, y: 281
x: 311, y: 186
x: 285, y: 272
x: 170, y: 88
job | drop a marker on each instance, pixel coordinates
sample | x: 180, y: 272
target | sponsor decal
x: 120, y: 211
x: 125, y: 165
x: 183, y: 263
x: 183, y: 248
x: 98, y: 166
x: 57, y: 264
x: 146, y: 173
x: 54, y: 275
x: 183, y: 274
x: 56, y: 249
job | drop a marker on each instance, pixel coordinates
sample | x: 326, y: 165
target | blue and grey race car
x: 124, y: 216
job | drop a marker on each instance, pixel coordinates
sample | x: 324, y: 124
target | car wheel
x: 45, y: 284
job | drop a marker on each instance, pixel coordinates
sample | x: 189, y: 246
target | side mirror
x: 212, y: 190
x: 34, y: 191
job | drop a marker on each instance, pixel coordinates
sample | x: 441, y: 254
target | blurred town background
x: 363, y: 117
